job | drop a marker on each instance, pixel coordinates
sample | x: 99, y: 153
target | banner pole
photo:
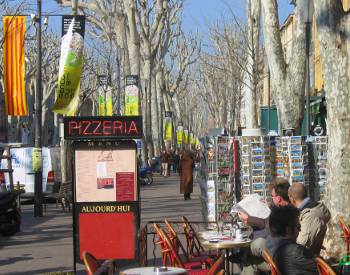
x: 38, y: 207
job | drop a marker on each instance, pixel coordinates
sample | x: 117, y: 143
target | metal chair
x: 169, y: 252
x: 323, y: 267
x: 273, y: 267
x: 193, y: 245
x: 175, y: 239
x: 91, y: 263
x: 346, y: 234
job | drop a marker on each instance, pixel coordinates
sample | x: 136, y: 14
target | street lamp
x: 307, y: 19
x: 37, y: 153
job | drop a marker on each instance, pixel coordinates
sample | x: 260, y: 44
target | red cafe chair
x: 175, y: 239
x: 179, y: 247
x: 323, y: 267
x: 193, y: 267
x: 346, y: 234
x: 164, y: 249
x: 193, y: 245
x: 273, y: 267
x: 91, y: 263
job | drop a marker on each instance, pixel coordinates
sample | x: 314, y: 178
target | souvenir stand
x: 211, y: 192
x: 106, y: 207
x: 319, y: 152
x: 257, y: 164
x: 292, y: 159
x: 224, y: 187
x: 220, y: 183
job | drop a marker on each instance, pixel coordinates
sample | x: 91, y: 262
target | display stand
x: 319, y: 151
x: 224, y: 187
x: 292, y: 159
x: 257, y: 165
x: 106, y: 207
x: 221, y: 180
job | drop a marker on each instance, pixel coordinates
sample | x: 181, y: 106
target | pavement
x: 45, y: 244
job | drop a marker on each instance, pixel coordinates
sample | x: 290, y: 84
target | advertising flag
x: 105, y: 107
x: 168, y: 132
x: 191, y: 139
x: 179, y: 134
x: 14, y: 66
x: 109, y: 105
x: 186, y: 136
x: 131, y: 95
x: 71, y: 64
x: 101, y: 102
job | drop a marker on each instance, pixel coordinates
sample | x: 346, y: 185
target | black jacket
x: 291, y: 258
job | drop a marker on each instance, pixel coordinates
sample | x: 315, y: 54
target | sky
x: 198, y: 14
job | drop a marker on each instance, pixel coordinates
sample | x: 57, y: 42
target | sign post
x: 106, y: 208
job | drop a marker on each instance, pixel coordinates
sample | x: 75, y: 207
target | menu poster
x: 125, y: 186
x: 96, y: 170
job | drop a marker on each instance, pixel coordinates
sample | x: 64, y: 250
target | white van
x: 21, y: 160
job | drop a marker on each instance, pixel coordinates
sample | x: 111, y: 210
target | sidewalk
x: 45, y: 245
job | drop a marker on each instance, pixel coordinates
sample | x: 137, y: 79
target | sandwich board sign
x: 106, y: 208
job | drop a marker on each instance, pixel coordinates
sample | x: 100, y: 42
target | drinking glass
x: 220, y: 226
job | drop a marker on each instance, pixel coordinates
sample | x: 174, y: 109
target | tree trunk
x: 133, y: 41
x: 154, y: 116
x: 148, y: 118
x: 333, y: 24
x: 289, y: 82
x: 161, y: 110
x: 251, y: 70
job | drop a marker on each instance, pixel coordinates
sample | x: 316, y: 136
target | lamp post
x: 37, y: 154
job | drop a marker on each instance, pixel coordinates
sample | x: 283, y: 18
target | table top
x: 150, y: 270
x: 213, y: 240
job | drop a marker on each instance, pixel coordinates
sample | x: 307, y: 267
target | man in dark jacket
x: 314, y: 217
x: 291, y: 258
x: 252, y: 259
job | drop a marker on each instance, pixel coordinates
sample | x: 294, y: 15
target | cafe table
x: 151, y: 270
x: 213, y: 240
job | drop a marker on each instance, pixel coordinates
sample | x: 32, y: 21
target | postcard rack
x: 292, y: 159
x: 319, y: 152
x: 257, y: 169
x: 220, y: 184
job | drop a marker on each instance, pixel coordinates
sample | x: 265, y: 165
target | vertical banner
x: 109, y: 105
x: 14, y: 66
x: 179, y: 134
x: 105, y: 107
x: 186, y: 136
x: 101, y: 102
x: 71, y: 64
x: 191, y: 139
x: 131, y: 95
x: 168, y: 126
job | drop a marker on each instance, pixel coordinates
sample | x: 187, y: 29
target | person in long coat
x: 186, y: 184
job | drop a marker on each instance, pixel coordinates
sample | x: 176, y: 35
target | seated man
x: 279, y: 194
x: 290, y: 257
x: 252, y: 258
x: 314, y: 217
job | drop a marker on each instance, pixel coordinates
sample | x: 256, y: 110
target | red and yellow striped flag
x: 14, y: 67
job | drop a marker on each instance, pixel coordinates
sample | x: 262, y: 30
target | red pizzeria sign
x: 113, y: 127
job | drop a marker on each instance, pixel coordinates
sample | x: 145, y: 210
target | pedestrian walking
x: 164, y: 158
x: 24, y: 134
x: 176, y: 160
x: 186, y: 179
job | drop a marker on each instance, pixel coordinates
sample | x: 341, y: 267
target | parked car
x: 21, y: 160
